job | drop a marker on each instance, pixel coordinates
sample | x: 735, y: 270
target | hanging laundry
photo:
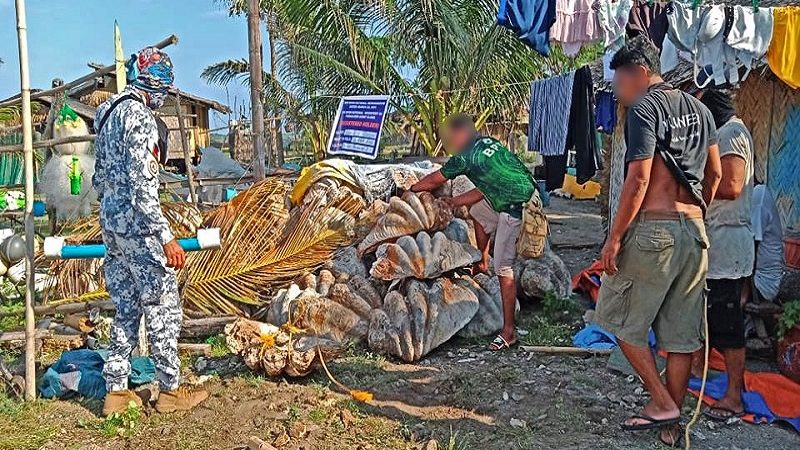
x: 577, y: 23
x: 548, y: 118
x: 582, y: 135
x: 750, y: 34
x: 605, y: 112
x: 530, y: 20
x: 555, y: 170
x: 649, y: 19
x: 613, y: 16
x: 784, y: 50
x: 721, y: 37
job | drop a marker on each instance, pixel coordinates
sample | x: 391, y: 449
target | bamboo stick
x: 48, y: 143
x: 185, y: 144
x: 171, y: 40
x: 27, y: 139
x: 564, y: 350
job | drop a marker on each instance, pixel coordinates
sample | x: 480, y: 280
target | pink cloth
x: 577, y: 23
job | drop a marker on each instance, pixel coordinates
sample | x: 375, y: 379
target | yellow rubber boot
x: 117, y: 402
x: 181, y: 399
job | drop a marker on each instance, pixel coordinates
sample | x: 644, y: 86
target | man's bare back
x: 664, y: 193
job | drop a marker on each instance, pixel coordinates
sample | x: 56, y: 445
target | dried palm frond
x: 96, y: 98
x: 264, y: 247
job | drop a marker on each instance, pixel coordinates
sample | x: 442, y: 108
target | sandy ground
x: 460, y: 397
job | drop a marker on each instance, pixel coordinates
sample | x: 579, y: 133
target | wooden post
x: 187, y: 160
x: 27, y: 141
x: 256, y: 87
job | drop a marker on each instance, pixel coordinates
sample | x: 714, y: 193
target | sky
x: 64, y: 36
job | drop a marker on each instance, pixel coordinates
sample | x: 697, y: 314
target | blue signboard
x: 357, y: 127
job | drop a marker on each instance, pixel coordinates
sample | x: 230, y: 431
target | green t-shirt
x: 501, y: 177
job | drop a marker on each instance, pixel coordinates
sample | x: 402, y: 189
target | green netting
x: 12, y: 165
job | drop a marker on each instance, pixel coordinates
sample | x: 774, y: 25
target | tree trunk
x: 277, y: 156
x: 256, y: 88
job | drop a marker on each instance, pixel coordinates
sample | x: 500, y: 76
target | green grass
x: 12, y: 316
x: 21, y: 427
x: 124, y: 424
x: 318, y: 415
x: 218, y: 346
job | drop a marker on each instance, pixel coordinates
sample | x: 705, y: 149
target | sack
x: 534, y: 230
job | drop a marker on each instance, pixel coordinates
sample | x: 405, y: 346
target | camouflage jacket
x: 126, y: 171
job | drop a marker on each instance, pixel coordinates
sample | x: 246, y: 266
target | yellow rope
x: 696, y: 414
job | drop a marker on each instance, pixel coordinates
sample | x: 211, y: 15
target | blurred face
x: 630, y: 83
x: 455, y: 140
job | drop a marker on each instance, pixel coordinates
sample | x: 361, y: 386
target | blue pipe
x: 89, y: 251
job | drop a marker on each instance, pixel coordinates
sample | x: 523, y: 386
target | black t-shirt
x: 678, y: 127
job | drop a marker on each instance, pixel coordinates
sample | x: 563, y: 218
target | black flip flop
x: 708, y: 412
x: 652, y: 423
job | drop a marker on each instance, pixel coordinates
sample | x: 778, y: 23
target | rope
x: 696, y: 414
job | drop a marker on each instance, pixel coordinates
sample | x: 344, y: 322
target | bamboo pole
x: 90, y: 77
x: 185, y: 144
x: 27, y: 140
x: 256, y: 87
x: 564, y: 350
x: 48, y: 143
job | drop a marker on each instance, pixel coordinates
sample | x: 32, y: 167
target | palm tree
x: 433, y: 57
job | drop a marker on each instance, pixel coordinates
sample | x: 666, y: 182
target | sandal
x: 500, y: 343
x: 728, y: 413
x: 651, y: 423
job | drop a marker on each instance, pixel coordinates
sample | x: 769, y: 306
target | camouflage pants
x: 140, y: 284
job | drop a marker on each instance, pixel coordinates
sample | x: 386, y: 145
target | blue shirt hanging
x: 605, y: 111
x: 530, y: 20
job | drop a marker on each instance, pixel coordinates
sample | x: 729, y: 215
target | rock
x: 407, y: 216
x: 201, y: 364
x: 423, y: 257
x: 517, y: 423
x: 489, y: 318
x: 538, y: 276
x: 505, y: 396
x: 517, y: 397
x: 420, y: 317
x: 346, y: 261
x: 431, y: 445
x: 254, y: 443
x: 347, y: 418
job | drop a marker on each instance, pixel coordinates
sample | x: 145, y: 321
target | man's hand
x: 609, y: 255
x: 176, y: 257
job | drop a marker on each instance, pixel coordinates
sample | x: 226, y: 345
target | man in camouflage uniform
x: 503, y: 186
x: 142, y: 254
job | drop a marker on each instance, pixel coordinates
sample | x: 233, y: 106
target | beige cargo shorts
x: 661, y: 283
x: 505, y: 230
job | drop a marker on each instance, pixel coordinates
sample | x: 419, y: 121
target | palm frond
x: 265, y: 247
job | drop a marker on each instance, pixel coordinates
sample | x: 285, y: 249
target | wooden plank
x: 205, y: 327
x: 187, y: 160
x: 564, y: 350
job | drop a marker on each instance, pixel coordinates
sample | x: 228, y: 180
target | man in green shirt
x: 502, y: 186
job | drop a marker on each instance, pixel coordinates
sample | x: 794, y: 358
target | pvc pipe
x: 54, y: 247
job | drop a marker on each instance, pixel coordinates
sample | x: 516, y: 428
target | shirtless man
x: 655, y: 256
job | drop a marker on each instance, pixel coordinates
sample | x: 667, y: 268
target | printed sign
x: 357, y: 127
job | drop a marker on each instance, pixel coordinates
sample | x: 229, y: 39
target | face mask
x: 156, y: 99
